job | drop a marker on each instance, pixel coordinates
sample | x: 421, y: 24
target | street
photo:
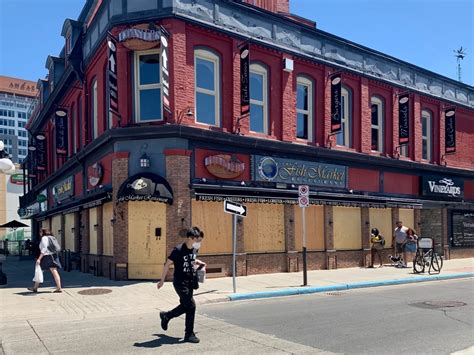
x: 398, y: 319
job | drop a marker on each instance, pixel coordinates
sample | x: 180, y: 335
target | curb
x: 341, y: 287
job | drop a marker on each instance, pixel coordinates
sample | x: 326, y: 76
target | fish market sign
x: 439, y: 186
x: 291, y: 171
x: 145, y: 187
x: 64, y: 189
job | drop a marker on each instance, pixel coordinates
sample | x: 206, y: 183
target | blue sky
x: 421, y: 32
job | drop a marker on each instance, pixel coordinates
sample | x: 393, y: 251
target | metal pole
x: 234, y: 248
x: 305, y: 271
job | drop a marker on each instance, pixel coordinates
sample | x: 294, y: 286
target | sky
x: 421, y: 32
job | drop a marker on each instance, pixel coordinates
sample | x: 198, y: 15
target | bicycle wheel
x: 437, y: 262
x: 418, y: 264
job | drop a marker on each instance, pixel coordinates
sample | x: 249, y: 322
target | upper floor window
x: 343, y: 138
x: 207, y: 73
x: 147, y: 86
x: 258, y: 99
x: 426, y: 127
x: 377, y: 124
x: 94, y: 112
x: 304, y: 108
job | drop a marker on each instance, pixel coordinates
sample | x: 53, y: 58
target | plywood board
x: 264, y: 229
x: 146, y: 252
x: 69, y: 231
x: 93, y: 226
x: 56, y: 226
x: 381, y: 218
x: 107, y: 215
x: 347, y: 228
x: 407, y: 216
x: 216, y: 225
x: 314, y: 216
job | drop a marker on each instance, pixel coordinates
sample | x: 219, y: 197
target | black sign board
x: 112, y: 75
x: 442, y: 187
x: 164, y: 39
x: 404, y: 119
x: 235, y: 208
x: 450, y: 131
x: 245, y: 80
x: 41, y: 154
x: 145, y: 187
x: 336, y: 104
x: 462, y: 229
x: 63, y: 190
x: 60, y: 122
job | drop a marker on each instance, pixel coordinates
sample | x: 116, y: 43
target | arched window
x: 304, y: 108
x: 148, y: 86
x: 94, y: 113
x: 207, y: 87
x: 343, y: 138
x: 377, y: 124
x: 426, y: 134
x: 258, y: 99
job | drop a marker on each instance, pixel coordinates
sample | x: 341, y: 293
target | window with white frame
x: 94, y: 112
x: 258, y: 99
x: 304, y: 108
x: 207, y: 91
x: 426, y: 127
x: 343, y: 138
x: 148, y: 105
x: 377, y: 124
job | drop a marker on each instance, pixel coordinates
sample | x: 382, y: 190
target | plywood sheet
x: 216, y: 224
x: 69, y: 231
x: 347, y: 228
x: 314, y: 228
x: 93, y: 226
x: 407, y: 216
x: 381, y: 218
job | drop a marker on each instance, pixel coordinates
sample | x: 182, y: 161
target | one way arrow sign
x: 235, y: 208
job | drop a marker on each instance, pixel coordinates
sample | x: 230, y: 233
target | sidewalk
x: 133, y: 297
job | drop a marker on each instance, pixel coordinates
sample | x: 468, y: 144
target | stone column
x: 365, y: 235
x: 120, y: 228
x: 444, y: 233
x: 290, y: 242
x: 85, y: 240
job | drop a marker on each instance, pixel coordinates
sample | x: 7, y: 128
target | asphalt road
x: 434, y: 318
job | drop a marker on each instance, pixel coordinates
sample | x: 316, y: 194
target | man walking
x: 184, y: 281
x: 399, y: 240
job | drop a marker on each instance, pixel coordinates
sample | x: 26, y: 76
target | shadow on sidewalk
x: 161, y: 340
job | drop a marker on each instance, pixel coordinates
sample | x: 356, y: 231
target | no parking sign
x: 303, y: 195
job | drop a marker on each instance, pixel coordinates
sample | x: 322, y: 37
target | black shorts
x: 400, y: 247
x: 50, y: 261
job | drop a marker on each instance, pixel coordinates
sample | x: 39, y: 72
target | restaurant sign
x: 271, y: 169
x: 442, y: 186
x: 64, y: 189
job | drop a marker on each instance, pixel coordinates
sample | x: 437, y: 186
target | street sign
x: 303, y: 190
x: 235, y: 208
x: 303, y: 201
x: 303, y: 196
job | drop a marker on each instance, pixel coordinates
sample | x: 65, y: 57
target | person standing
x: 411, y: 242
x: 48, y: 259
x: 378, y: 243
x: 184, y: 281
x: 399, y: 240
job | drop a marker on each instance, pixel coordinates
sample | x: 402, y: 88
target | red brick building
x: 146, y: 124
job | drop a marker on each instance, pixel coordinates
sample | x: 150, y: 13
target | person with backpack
x: 48, y: 258
x: 378, y: 242
x: 184, y: 281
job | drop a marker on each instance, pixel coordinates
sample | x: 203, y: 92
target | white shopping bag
x: 38, y: 274
x: 201, y: 274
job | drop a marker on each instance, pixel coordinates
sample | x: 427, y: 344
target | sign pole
x: 234, y: 247
x: 305, y: 268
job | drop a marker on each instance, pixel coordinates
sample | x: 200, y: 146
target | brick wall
x: 432, y: 225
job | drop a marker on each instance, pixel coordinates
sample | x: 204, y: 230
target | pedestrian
x: 399, y: 240
x: 411, y: 241
x: 378, y: 241
x: 48, y: 258
x: 184, y: 281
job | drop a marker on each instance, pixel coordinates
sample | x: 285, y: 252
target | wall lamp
x: 41, y: 136
x: 144, y: 161
x: 188, y: 112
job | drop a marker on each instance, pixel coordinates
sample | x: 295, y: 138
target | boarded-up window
x: 347, y: 228
x: 381, y: 218
x: 216, y: 225
x: 264, y: 228
x: 314, y: 228
x: 56, y: 226
x: 93, y: 230
x: 407, y: 217
x: 69, y: 231
x: 107, y: 215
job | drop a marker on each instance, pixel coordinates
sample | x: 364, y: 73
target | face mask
x: 196, y: 245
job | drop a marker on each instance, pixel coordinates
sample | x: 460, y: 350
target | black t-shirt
x: 183, y: 259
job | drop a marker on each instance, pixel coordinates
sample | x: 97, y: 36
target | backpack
x: 382, y: 240
x: 53, y: 245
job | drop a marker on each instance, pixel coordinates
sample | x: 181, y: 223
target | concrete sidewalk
x: 132, y: 297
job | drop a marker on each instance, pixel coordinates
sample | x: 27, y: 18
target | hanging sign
x: 145, y: 187
x: 64, y: 189
x: 41, y: 154
x: 165, y: 76
x: 336, y: 104
x: 404, y: 119
x: 442, y: 186
x: 244, y: 80
x: 60, y: 122
x: 140, y: 37
x: 112, y: 75
x: 450, y: 131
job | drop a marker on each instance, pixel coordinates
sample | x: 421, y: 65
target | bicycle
x: 426, y: 257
